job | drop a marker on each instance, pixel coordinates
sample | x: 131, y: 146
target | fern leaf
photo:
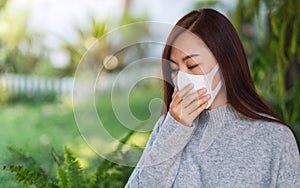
x: 62, y: 177
x: 30, y: 177
x: 74, y: 171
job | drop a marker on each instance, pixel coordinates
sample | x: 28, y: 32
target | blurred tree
x: 99, y: 49
x: 271, y: 35
x: 25, y: 53
x: 3, y: 4
x: 20, y: 51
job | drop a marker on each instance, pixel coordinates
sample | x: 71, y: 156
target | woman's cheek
x: 173, y: 75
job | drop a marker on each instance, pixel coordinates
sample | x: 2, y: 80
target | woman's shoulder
x: 276, y: 133
x: 276, y: 128
x: 266, y: 128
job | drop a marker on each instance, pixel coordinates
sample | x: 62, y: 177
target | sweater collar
x: 213, y: 121
x: 224, y: 113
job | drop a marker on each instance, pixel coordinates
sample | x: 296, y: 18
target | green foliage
x: 33, y: 98
x: 69, y: 173
x: 3, y: 3
x: 24, y: 51
x: 29, y: 173
x: 21, y: 51
x: 272, y: 44
x: 4, y: 93
x: 35, y: 127
x: 30, y: 176
x: 110, y: 175
x: 206, y: 3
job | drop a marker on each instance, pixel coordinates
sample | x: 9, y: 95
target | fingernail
x: 201, y: 91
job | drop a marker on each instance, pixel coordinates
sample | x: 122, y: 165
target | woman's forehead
x: 187, y: 43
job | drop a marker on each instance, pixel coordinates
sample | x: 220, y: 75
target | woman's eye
x: 174, y: 70
x: 194, y: 66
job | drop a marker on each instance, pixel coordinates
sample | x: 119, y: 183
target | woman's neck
x: 220, y: 99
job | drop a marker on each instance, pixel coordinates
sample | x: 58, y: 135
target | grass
x: 34, y: 128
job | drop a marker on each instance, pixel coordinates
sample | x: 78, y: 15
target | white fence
x: 28, y: 84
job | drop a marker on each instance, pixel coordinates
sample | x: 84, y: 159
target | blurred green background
x: 37, y: 66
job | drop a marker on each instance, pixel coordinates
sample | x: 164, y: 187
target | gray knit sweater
x: 221, y: 149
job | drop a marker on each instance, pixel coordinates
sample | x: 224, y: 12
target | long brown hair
x: 222, y: 39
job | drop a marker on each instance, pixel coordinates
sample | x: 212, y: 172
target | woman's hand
x: 185, y: 108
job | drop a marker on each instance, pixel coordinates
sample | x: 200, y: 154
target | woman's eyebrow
x: 185, y: 58
x: 172, y: 61
x: 189, y: 56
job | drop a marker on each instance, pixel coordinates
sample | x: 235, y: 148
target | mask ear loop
x: 212, y: 73
x: 211, y: 76
x: 217, y: 89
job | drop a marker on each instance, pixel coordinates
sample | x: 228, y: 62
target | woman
x: 216, y: 131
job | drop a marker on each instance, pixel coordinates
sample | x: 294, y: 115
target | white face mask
x: 200, y: 81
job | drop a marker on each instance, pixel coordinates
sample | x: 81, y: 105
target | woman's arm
x: 161, y: 158
x: 289, y: 164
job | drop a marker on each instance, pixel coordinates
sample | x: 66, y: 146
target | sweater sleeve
x: 289, y: 167
x: 160, y: 160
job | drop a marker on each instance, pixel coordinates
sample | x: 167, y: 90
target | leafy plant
x: 69, y: 173
x: 270, y: 33
x: 29, y: 172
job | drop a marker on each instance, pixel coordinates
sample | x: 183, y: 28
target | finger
x: 197, y: 103
x: 201, y: 92
x: 174, y: 92
x: 196, y: 112
x: 194, y: 96
x: 179, y: 95
x: 185, y: 90
x: 204, y: 99
x: 192, y: 106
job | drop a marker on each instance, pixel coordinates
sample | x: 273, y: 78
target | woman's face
x: 191, y: 55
